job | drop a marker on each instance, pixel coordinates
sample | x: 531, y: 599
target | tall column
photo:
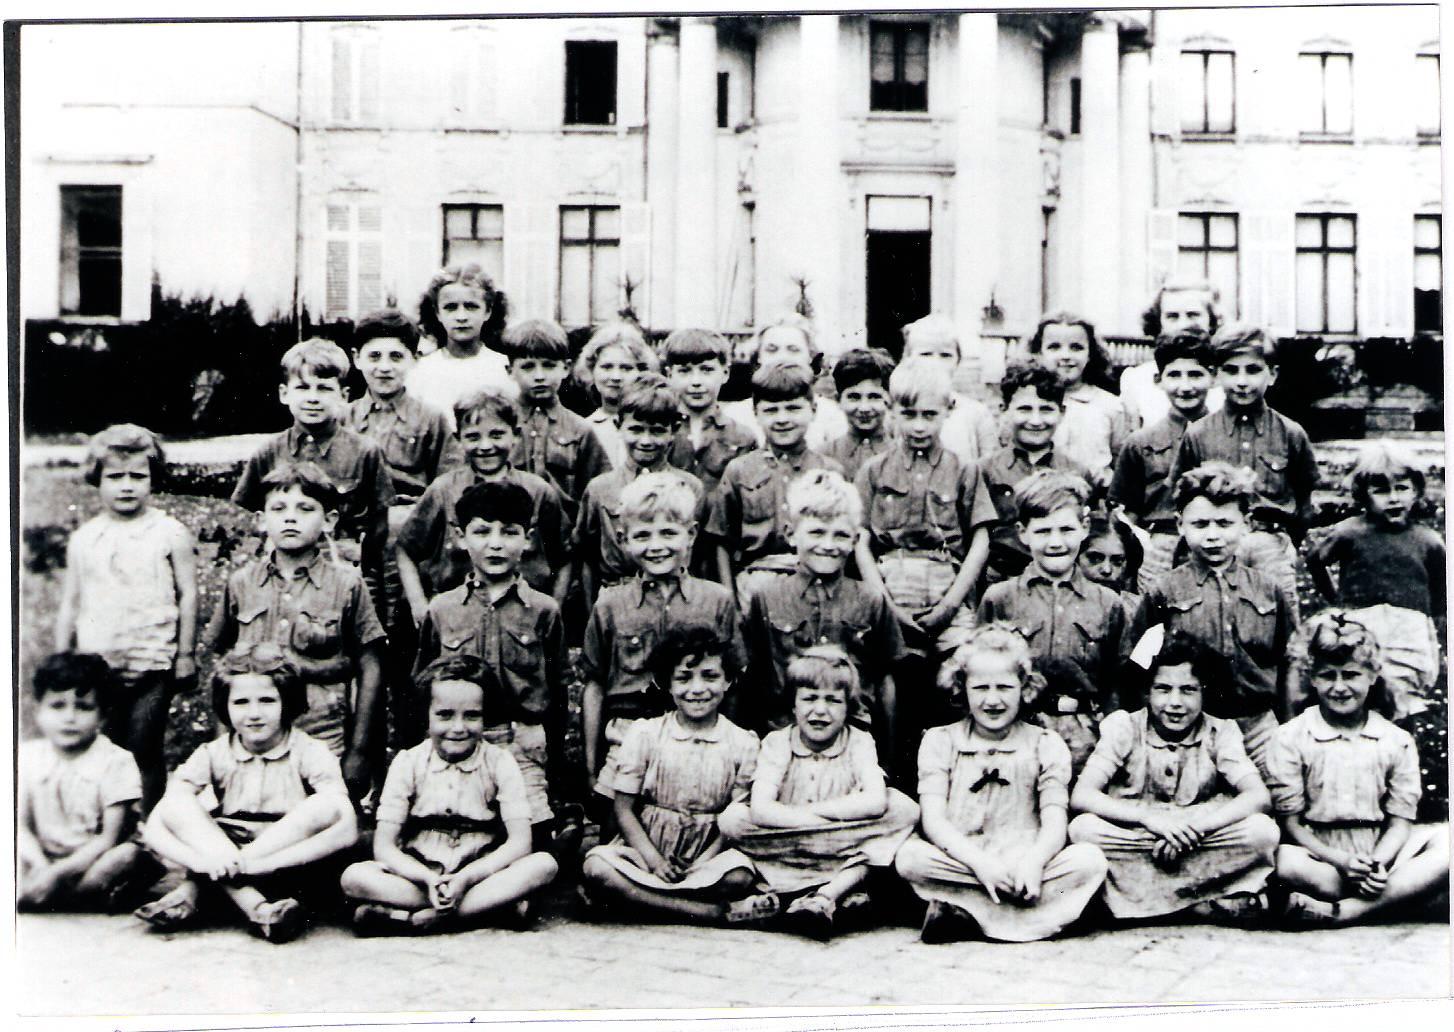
x: 661, y: 175
x: 1100, y: 192
x: 976, y: 201
x: 695, y: 260
x: 1135, y: 178
x: 817, y: 229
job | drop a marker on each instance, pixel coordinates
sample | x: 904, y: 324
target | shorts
x: 615, y: 734
x: 917, y: 582
x: 526, y: 743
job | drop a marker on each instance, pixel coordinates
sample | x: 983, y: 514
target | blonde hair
x: 793, y: 321
x: 825, y: 667
x: 1382, y: 461
x: 996, y: 639
x: 621, y: 335
x: 123, y: 441
x: 936, y: 328
x: 659, y: 494
x: 918, y: 380
x: 825, y: 495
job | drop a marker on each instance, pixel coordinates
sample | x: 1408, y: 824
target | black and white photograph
x: 649, y: 511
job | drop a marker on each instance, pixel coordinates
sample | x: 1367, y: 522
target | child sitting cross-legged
x: 993, y: 791
x: 453, y: 836
x: 1171, y: 798
x: 258, y: 812
x: 820, y: 813
x: 675, y: 774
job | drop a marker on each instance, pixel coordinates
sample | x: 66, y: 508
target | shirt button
x: 282, y: 623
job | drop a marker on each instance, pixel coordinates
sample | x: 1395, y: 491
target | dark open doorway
x: 897, y: 268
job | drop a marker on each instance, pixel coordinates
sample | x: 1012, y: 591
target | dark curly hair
x: 269, y: 660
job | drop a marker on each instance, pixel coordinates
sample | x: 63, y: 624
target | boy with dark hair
x: 1274, y: 449
x: 696, y: 364
x: 861, y: 377
x: 318, y: 610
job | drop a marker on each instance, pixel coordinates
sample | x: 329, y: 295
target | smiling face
x: 463, y: 312
x: 646, y: 442
x: 539, y: 379
x: 784, y: 344
x: 659, y: 545
x: 1103, y: 560
x: 69, y: 720
x: 820, y: 714
x: 255, y: 709
x: 1342, y: 690
x: 293, y: 521
x: 384, y: 362
x: 487, y: 441
x: 697, y: 384
x: 784, y: 423
x: 456, y: 718
x: 1054, y: 540
x: 823, y: 546
x: 1186, y: 383
x: 1032, y: 419
x: 1186, y: 310
x: 1174, y: 701
x: 697, y: 688
x: 1211, y: 531
x: 1065, y: 351
x: 495, y: 547
x: 1245, y: 377
x: 865, y: 405
x: 921, y: 419
x: 614, y: 368
x: 125, y: 483
x: 993, y: 692
x: 315, y: 402
x: 1391, y: 502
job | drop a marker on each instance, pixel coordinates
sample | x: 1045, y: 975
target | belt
x: 452, y: 824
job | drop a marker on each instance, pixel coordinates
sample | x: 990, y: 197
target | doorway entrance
x: 897, y: 250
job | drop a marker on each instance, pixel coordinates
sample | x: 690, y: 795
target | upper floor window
x: 471, y: 74
x: 355, y: 75
x: 1208, y: 91
x: 1426, y: 93
x: 91, y: 250
x: 354, y: 255
x: 1327, y: 292
x: 724, y: 92
x: 898, y: 66
x: 590, y: 82
x: 1075, y: 106
x: 1428, y: 273
x: 1325, y: 94
x: 590, y: 264
x: 1206, y: 245
x: 475, y: 233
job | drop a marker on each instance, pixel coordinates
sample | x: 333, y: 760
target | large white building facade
x: 987, y: 166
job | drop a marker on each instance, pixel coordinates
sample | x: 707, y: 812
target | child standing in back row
x: 861, y: 377
x: 130, y: 595
x: 696, y: 364
x: 1094, y: 425
x: 611, y: 359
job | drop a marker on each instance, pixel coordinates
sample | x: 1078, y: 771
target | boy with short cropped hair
x: 1274, y: 449
x: 696, y: 364
x: 658, y: 520
x: 861, y: 377
x: 316, y: 609
x: 747, y: 515
x: 970, y: 430
x: 1225, y: 602
x: 818, y: 605
x: 313, y: 390
x: 430, y: 554
x: 555, y: 443
x: 646, y: 420
x: 1140, y: 485
x: 1063, y: 614
x: 1034, y: 401
x: 514, y: 630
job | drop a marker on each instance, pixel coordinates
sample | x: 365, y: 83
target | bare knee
x: 738, y: 882
x: 356, y: 878
x: 596, y: 870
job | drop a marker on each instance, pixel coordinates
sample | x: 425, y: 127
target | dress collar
x: 966, y: 740
x: 1375, y: 727
x: 243, y: 755
x: 468, y: 765
x: 835, y: 748
x: 682, y: 733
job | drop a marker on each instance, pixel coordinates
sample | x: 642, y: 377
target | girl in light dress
x: 611, y: 359
x: 820, y: 813
x: 1094, y: 426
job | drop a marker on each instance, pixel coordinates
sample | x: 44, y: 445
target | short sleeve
x: 509, y: 788
x: 1284, y: 764
x: 364, y: 621
x: 248, y: 492
x: 863, y: 755
x: 936, y: 756
x: 746, y: 750
x: 423, y: 532
x: 597, y: 643
x: 552, y: 527
x: 773, y: 759
x: 122, y: 783
x: 1402, y: 797
x: 1053, y: 783
x: 1231, y: 759
x: 722, y: 506
x: 197, y: 776
x: 221, y: 632
x: 977, y: 506
x: 397, y: 796
x: 633, y: 757
x: 1112, y: 751
x: 319, y: 768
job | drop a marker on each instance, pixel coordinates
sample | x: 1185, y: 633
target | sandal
x: 855, y: 912
x: 278, y: 921
x: 812, y: 916
x: 753, y: 909
x: 1239, y: 910
x: 173, y: 911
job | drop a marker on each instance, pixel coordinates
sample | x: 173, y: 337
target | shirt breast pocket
x: 791, y: 636
x: 1184, y: 613
x: 1256, y: 628
x: 402, y: 448
x: 634, y: 653
x: 1003, y: 495
x: 251, y: 624
x: 560, y: 457
x: 890, y: 508
x: 315, y: 636
x: 1158, y: 461
x: 759, y: 500
x: 1272, y: 473
x: 456, y: 633
x: 943, y: 509
x: 520, y: 648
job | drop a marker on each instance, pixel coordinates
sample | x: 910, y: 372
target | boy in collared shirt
x: 861, y: 377
x: 555, y: 443
x: 748, y: 519
x: 1034, y: 404
x: 1274, y: 449
x: 969, y: 431
x: 1063, y: 615
x: 658, y: 520
x: 514, y: 630
x: 696, y: 364
x: 318, y: 610
x: 1140, y: 485
x: 818, y: 605
x: 646, y: 419
x: 1225, y: 602
x: 312, y: 389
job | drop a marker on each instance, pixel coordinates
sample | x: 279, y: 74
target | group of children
x: 787, y: 628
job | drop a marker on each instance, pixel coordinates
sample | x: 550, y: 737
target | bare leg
x: 524, y: 876
x: 314, y: 815
x: 844, y: 882
x: 1420, y: 875
x: 1302, y: 871
x: 192, y: 826
x: 603, y: 876
x: 246, y: 898
x: 110, y: 867
x: 371, y: 882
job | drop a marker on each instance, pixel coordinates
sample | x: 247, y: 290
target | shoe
x: 811, y: 916
x: 945, y: 922
x: 753, y: 909
x: 1239, y: 910
x: 1303, y: 912
x: 371, y: 919
x: 171, y: 912
x: 854, y: 913
x: 520, y: 916
x: 278, y: 921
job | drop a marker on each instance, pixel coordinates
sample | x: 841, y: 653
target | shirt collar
x: 313, y: 568
x: 1202, y: 571
x: 967, y: 741
x: 682, y: 733
x: 666, y: 587
x: 1375, y: 726
x: 469, y: 764
x: 835, y: 747
x: 475, y: 585
x: 297, y: 437
x: 807, y: 579
x: 1020, y: 455
x: 1255, y: 417
x: 1076, y: 582
x: 1155, y: 741
x: 241, y: 754
x: 550, y: 411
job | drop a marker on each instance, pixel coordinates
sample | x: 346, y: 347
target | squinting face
x: 68, y: 721
x: 865, y: 405
x: 659, y: 545
x: 292, y: 521
x: 456, y: 718
x: 614, y: 368
x: 992, y: 692
x: 697, y: 384
x: 313, y: 401
x: 698, y: 687
x: 1342, y: 689
x: 784, y: 344
x: 539, y: 379
x: 1103, y: 560
x: 1211, y: 532
x: 495, y: 547
x: 820, y: 714
x: 1174, y: 701
x: 384, y: 362
x: 823, y: 546
x: 1391, y: 502
x: 920, y: 420
x: 487, y: 442
x: 784, y: 423
x: 1065, y: 351
x: 125, y: 483
x: 1186, y: 310
x: 1054, y: 541
x: 462, y: 312
x: 1186, y: 384
x: 255, y: 708
x: 646, y: 443
x: 1032, y: 419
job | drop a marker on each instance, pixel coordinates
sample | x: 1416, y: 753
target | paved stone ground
x: 71, y: 965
